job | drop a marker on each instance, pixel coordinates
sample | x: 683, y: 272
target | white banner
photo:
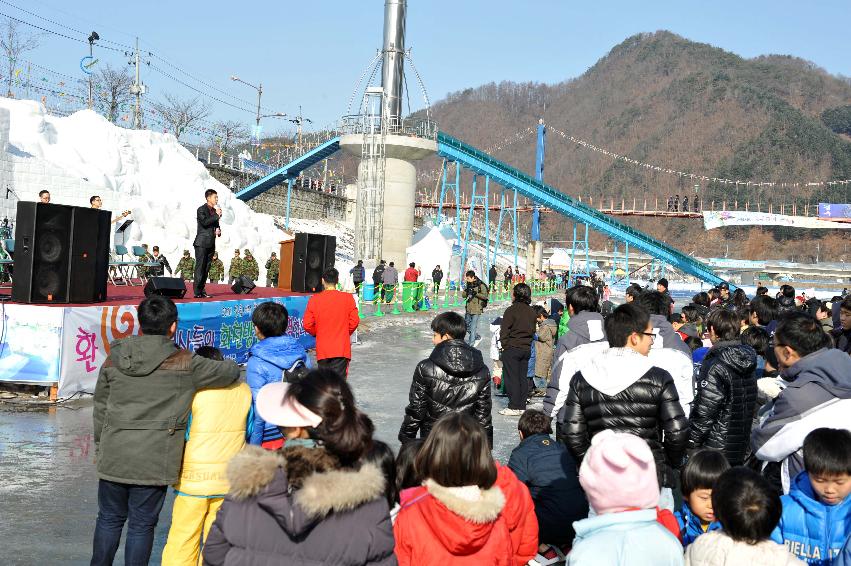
x: 719, y: 219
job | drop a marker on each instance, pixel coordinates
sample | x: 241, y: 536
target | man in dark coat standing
x: 208, y: 216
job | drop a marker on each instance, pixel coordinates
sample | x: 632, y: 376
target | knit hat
x: 619, y: 472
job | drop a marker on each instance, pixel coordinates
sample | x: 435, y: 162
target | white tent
x: 430, y: 248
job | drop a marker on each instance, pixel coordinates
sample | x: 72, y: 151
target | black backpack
x: 295, y: 373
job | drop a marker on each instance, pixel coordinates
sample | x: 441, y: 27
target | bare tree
x: 14, y: 44
x: 228, y: 133
x: 179, y: 114
x: 112, y: 90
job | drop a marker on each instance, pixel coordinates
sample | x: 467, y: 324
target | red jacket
x: 331, y: 316
x: 412, y: 274
x: 434, y: 526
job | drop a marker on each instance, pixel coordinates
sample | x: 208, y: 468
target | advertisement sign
x: 30, y: 341
x: 720, y: 219
x: 826, y: 210
x: 223, y: 324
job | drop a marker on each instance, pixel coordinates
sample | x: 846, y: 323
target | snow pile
x: 146, y: 172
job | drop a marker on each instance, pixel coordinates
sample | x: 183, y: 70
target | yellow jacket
x: 216, y: 433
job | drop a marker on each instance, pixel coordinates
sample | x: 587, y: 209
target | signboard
x: 826, y: 210
x: 720, y: 219
x: 223, y: 324
x: 30, y: 341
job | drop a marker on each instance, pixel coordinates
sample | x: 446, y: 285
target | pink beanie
x: 619, y: 472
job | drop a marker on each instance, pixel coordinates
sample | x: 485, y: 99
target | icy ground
x: 49, y: 486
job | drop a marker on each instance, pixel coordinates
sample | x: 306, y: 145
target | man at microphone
x: 207, y: 216
x: 97, y: 202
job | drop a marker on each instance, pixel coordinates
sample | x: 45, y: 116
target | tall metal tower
x: 369, y: 217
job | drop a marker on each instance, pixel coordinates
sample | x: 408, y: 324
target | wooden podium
x: 285, y: 271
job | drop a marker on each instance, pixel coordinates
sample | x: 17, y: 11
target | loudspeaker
x: 174, y: 287
x: 242, y: 285
x: 61, y: 254
x: 312, y: 255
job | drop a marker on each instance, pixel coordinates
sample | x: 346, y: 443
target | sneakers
x: 506, y: 412
x: 552, y: 555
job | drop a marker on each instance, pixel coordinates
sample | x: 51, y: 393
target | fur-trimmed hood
x: 300, y: 486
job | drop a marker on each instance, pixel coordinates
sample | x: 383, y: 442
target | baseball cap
x: 275, y: 407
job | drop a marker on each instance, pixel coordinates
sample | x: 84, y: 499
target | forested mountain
x: 665, y: 100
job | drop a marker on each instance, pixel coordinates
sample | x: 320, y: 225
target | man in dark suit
x: 208, y: 215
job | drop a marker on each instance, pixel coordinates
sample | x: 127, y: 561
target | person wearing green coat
x: 272, y: 268
x: 142, y: 400
x: 185, y: 267
x: 249, y: 266
x: 146, y: 257
x: 235, y: 269
x: 217, y: 269
x: 562, y: 324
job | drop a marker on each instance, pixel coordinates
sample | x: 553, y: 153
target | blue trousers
x: 472, y: 321
x: 118, y: 502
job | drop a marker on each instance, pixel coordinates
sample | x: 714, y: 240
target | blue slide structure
x: 511, y: 178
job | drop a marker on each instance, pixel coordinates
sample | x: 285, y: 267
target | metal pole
x: 289, y: 196
x: 442, y: 194
x: 91, y: 56
x: 259, y: 94
x: 137, y: 115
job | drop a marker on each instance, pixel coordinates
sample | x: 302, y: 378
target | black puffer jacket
x: 723, y: 409
x: 621, y: 390
x: 785, y: 304
x: 454, y: 378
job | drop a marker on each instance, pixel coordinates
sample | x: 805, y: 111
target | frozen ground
x: 49, y: 486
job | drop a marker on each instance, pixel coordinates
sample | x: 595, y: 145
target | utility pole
x: 299, y: 121
x: 92, y: 38
x: 259, y: 94
x: 137, y: 89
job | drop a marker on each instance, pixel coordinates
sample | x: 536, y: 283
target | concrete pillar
x: 400, y: 183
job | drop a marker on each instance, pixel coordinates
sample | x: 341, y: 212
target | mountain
x: 661, y: 99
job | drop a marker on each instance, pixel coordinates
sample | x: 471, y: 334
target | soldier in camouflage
x: 272, y: 267
x: 235, y: 269
x: 217, y: 269
x: 146, y: 257
x: 186, y: 266
x: 249, y: 266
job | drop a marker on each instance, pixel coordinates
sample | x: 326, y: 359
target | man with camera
x: 477, y: 299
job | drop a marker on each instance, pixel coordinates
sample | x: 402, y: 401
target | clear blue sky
x: 311, y: 53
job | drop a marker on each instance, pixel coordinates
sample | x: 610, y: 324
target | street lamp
x: 298, y: 121
x: 92, y: 38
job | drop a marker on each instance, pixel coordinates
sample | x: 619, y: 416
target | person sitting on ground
x: 621, y: 389
x: 470, y: 509
x: 316, y: 501
x: 748, y: 510
x: 619, y: 477
x: 817, y: 392
x: 723, y: 408
x: 549, y: 472
x: 216, y: 432
x: 698, y: 478
x: 454, y: 378
x: 545, y: 338
x: 669, y: 352
x: 269, y: 360
x: 142, y: 400
x: 817, y: 511
x: 842, y: 334
x: 584, y: 340
x: 332, y: 316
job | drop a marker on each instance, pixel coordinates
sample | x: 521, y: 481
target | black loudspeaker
x: 61, y: 254
x: 174, y: 287
x: 242, y: 285
x: 312, y: 255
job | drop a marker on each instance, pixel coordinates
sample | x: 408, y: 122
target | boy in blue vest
x: 817, y: 511
x: 698, y: 478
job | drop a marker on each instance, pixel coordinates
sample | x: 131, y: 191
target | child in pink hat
x: 618, y: 475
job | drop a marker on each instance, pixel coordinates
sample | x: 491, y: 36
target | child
x: 698, y: 478
x: 549, y: 472
x: 469, y: 510
x: 216, y: 432
x: 619, y: 477
x: 273, y: 354
x: 757, y: 338
x: 545, y: 339
x: 748, y: 509
x: 496, y: 362
x: 454, y: 378
x: 382, y: 456
x: 817, y: 511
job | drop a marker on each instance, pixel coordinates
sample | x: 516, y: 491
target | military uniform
x: 272, y: 267
x: 186, y: 266
x: 142, y: 270
x: 217, y: 270
x: 235, y: 268
x: 249, y: 266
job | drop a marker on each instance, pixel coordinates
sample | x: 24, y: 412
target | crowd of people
x: 240, y: 265
x: 717, y: 433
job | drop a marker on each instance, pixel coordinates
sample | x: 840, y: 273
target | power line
x: 26, y: 23
x: 202, y: 93
x: 63, y: 26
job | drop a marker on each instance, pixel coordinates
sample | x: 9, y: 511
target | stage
x: 65, y: 344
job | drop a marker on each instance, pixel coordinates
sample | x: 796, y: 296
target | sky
x: 311, y: 54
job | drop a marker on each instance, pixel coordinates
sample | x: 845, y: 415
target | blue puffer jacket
x: 690, y: 527
x: 811, y: 530
x: 844, y: 558
x: 266, y: 363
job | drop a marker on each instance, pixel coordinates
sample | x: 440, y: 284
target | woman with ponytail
x: 318, y: 500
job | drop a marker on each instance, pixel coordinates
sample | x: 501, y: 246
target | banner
x: 30, y: 341
x: 720, y: 219
x: 826, y: 210
x: 224, y: 324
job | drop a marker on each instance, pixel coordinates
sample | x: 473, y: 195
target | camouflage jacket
x: 185, y: 268
x: 236, y: 267
x: 217, y: 270
x: 250, y: 268
x: 272, y: 267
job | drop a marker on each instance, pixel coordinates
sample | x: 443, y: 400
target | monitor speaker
x: 242, y: 285
x: 312, y: 255
x: 61, y: 254
x: 173, y: 287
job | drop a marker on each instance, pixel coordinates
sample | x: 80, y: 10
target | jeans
x: 472, y: 321
x: 118, y: 502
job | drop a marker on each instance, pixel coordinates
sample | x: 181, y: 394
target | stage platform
x: 65, y: 344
